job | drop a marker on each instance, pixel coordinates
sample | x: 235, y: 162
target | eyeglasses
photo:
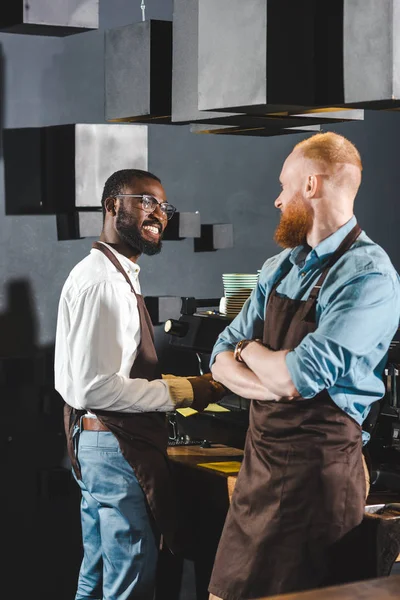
x: 149, y: 204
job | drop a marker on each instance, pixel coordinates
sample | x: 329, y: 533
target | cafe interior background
x: 74, y: 107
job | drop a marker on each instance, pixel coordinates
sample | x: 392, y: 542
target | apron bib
x: 301, y: 486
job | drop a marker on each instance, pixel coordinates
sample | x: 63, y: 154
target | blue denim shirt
x: 357, y: 315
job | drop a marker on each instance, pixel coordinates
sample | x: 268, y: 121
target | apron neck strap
x: 342, y: 248
x: 111, y: 256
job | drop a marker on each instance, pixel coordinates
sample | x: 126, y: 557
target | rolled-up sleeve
x: 353, y: 334
x: 249, y: 322
x: 245, y: 326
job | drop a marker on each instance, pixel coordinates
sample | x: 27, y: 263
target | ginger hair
x: 331, y: 149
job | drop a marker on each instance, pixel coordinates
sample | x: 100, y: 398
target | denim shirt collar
x: 304, y: 254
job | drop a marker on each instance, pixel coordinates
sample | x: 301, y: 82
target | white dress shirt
x: 98, y: 335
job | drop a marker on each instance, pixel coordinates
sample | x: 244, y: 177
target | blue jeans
x: 119, y: 542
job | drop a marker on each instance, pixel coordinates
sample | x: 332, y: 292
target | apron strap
x: 311, y: 302
x: 146, y: 362
x: 111, y: 256
x: 309, y: 313
x: 344, y: 246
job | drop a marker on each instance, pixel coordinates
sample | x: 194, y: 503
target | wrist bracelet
x: 240, y: 346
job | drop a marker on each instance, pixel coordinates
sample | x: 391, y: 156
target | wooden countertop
x: 177, y: 452
x: 382, y: 588
x: 194, y: 456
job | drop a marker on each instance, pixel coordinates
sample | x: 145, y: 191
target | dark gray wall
x: 51, y: 81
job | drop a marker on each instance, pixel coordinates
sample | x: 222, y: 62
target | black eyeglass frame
x: 164, y: 206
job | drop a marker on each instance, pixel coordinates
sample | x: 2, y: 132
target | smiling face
x: 140, y: 230
x: 296, y: 216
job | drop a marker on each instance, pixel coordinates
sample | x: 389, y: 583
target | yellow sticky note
x: 186, y: 412
x: 216, y: 408
x: 232, y: 466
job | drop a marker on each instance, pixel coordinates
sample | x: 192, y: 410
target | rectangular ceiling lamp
x: 320, y: 116
x: 185, y: 82
x: 251, y: 131
x: 65, y: 167
x: 289, y: 57
x: 138, y: 72
x: 256, y: 56
x: 49, y: 17
x: 310, y: 54
x: 79, y: 224
x: 185, y: 66
x: 90, y: 224
x: 326, y: 115
x: 371, y: 53
x: 100, y: 150
x: 45, y: 156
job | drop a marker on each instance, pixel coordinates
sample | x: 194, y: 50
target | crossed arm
x: 358, y: 320
x: 262, y: 376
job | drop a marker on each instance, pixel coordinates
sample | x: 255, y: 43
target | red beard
x: 294, y: 225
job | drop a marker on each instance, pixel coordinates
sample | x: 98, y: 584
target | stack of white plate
x: 237, y: 288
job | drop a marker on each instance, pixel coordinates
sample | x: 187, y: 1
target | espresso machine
x: 197, y: 330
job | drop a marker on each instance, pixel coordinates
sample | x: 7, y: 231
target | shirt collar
x: 323, y: 251
x: 128, y: 265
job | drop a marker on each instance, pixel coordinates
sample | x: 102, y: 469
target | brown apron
x: 301, y: 486
x: 142, y: 437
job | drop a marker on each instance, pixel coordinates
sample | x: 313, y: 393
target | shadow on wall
x: 18, y: 326
x: 40, y: 500
x: 2, y: 94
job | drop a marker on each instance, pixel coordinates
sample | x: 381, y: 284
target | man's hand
x: 206, y: 391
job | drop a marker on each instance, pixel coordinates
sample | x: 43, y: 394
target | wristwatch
x: 240, y: 346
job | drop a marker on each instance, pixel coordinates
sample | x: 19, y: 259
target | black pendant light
x: 371, y: 53
x: 65, y: 167
x: 138, y: 72
x: 255, y: 131
x: 257, y: 56
x: 274, y: 56
x: 185, y: 86
x: 49, y: 17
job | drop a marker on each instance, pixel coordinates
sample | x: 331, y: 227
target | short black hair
x: 118, y: 180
